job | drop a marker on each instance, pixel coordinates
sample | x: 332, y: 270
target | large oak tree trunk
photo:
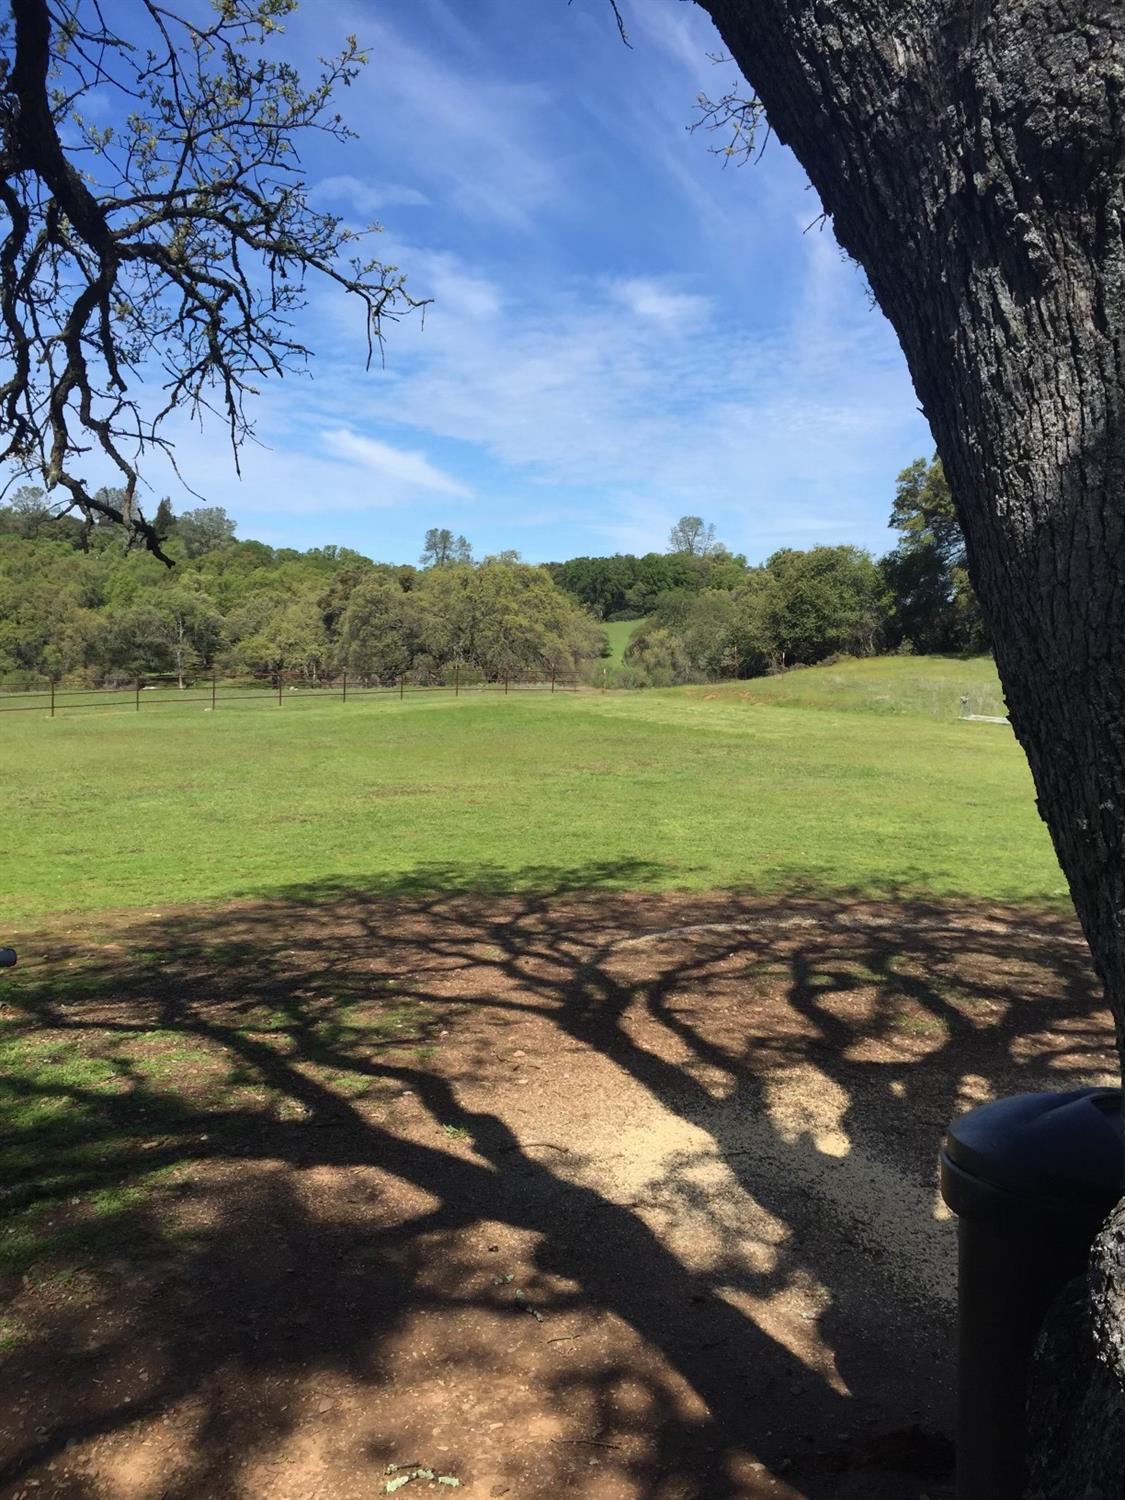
x: 971, y: 154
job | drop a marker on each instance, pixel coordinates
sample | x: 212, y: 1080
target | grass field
x: 739, y: 786
x: 281, y: 1179
x: 619, y: 633
x: 915, y: 686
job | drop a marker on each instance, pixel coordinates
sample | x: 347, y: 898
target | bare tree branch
x: 620, y: 23
x: 172, y: 246
x: 617, y: 16
x: 739, y: 118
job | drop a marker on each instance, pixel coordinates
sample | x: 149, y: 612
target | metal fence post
x: 457, y: 681
x: 52, y: 697
x: 138, y: 695
x: 505, y: 687
x: 401, y: 685
x: 345, y: 687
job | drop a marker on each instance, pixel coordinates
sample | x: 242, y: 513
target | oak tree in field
x: 824, y: 600
x: 204, y: 529
x: 156, y: 233
x: 381, y: 631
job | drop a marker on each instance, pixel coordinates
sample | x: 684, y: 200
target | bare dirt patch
x: 591, y: 1194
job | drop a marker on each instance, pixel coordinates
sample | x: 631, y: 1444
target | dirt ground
x: 625, y: 1197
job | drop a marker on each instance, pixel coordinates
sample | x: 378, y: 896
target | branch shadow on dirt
x: 270, y: 1182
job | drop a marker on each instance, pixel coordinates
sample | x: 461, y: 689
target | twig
x: 620, y: 24
x: 583, y: 1443
x: 537, y: 1145
x: 617, y: 16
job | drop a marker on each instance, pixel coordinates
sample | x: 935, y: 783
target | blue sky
x: 622, y: 331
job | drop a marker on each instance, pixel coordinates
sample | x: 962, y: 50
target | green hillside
x: 929, y: 686
x: 683, y: 789
x: 619, y: 633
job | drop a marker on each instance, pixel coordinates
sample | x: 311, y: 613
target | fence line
x: 165, y: 691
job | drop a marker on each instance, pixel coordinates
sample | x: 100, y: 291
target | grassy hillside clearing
x: 920, y: 686
x: 696, y: 789
x: 619, y: 633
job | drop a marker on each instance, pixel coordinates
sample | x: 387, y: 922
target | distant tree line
x: 625, y: 587
x: 77, y: 607
x: 708, y: 615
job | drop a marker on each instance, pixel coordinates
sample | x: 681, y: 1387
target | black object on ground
x: 1031, y: 1179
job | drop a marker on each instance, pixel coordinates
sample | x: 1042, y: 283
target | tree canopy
x: 441, y: 549
x: 85, y: 610
x: 156, y: 232
x: 80, y: 607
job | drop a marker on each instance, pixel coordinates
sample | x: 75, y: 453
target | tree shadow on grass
x: 323, y: 1175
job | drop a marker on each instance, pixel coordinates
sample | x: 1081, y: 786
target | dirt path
x: 613, y: 1197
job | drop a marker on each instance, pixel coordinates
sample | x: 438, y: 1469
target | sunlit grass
x: 914, y: 686
x: 619, y: 633
x: 691, y: 788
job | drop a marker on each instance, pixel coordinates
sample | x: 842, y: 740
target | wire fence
x: 214, y: 692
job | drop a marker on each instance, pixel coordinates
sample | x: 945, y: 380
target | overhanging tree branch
x: 172, y: 246
x: 739, y: 117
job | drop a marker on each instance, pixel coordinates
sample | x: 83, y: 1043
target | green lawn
x: 693, y: 789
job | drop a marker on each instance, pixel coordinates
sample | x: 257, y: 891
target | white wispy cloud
x: 304, y: 464
x: 475, y: 138
x: 603, y: 407
x: 366, y: 198
x: 457, y: 290
x: 621, y: 333
x: 581, y: 391
x: 648, y: 297
x: 399, y: 466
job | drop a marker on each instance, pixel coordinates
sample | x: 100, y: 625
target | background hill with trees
x: 76, y: 606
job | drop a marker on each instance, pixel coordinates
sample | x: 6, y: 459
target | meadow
x: 936, y: 687
x: 573, y: 1036
x: 618, y: 635
x: 774, y: 785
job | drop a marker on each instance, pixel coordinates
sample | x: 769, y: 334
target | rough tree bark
x: 971, y: 155
x: 1076, y: 1408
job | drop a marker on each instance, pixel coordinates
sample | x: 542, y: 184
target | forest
x: 79, y: 608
